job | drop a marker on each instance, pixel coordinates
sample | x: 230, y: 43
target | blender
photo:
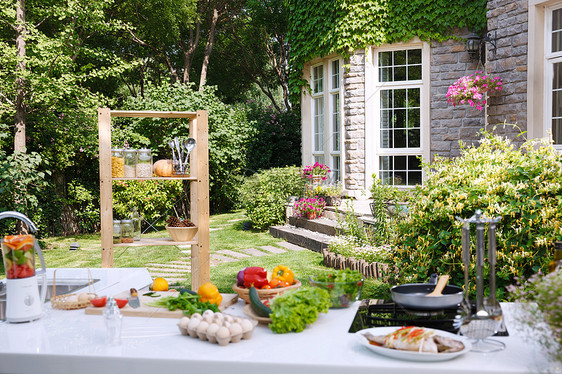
x: 23, y: 302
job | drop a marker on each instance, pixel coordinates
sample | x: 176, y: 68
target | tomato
x: 121, y: 302
x: 99, y: 302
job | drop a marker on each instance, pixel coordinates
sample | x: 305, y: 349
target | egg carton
x: 217, y: 327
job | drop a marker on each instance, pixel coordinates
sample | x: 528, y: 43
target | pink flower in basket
x: 470, y: 89
x: 317, y: 169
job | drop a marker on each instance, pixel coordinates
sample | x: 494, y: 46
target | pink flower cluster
x: 316, y: 169
x: 470, y: 89
x: 307, y: 206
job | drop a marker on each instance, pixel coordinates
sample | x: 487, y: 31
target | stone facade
x: 508, y: 19
x: 354, y: 122
x: 449, y: 62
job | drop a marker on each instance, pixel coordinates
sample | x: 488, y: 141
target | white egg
x: 246, y: 325
x: 83, y: 297
x: 228, y: 318
x: 226, y: 324
x: 184, y: 322
x: 193, y: 323
x: 212, y: 332
x: 237, y: 320
x: 235, y: 329
x: 208, y: 312
x: 223, y: 335
x: 196, y: 316
x: 218, y: 318
x: 208, y: 318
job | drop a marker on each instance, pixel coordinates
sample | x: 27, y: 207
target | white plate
x: 410, y: 355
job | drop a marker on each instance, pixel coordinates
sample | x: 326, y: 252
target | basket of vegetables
x: 280, y: 280
x: 344, y: 286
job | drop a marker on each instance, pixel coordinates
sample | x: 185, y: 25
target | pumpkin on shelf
x: 163, y: 168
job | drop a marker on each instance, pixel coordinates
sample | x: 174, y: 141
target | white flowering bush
x: 540, y: 314
x: 350, y: 246
x: 523, y: 186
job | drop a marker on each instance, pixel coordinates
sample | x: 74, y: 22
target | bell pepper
x: 209, y: 292
x: 278, y: 283
x: 255, y: 276
x: 284, y: 273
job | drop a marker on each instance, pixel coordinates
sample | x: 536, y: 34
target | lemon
x: 160, y: 284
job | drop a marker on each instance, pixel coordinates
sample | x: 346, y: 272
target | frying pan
x: 413, y: 295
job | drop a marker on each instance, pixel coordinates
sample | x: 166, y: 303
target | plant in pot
x: 309, y: 207
x: 331, y: 193
x: 316, y: 173
x: 180, y: 230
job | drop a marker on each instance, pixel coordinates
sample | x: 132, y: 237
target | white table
x: 73, y: 342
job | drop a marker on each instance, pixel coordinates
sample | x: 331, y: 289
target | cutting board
x: 149, y: 311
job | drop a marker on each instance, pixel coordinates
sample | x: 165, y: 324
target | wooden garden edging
x: 368, y: 269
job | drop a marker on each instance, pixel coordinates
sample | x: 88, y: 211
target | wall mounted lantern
x: 476, y: 46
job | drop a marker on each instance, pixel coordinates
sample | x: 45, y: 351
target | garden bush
x: 264, y: 194
x: 522, y: 186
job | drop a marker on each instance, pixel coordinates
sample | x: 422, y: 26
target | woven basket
x: 70, y: 301
x: 244, y: 293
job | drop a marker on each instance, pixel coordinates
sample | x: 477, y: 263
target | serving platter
x: 250, y: 313
x: 411, y: 355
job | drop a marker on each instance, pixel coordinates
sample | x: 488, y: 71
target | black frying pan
x: 414, y: 295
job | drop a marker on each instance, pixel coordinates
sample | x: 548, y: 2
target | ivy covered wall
x: 320, y: 27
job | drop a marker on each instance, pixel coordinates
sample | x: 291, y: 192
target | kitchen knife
x: 134, y: 299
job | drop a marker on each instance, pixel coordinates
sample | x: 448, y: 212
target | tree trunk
x: 208, y: 48
x: 19, y: 136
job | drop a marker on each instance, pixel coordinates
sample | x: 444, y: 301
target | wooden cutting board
x: 149, y: 311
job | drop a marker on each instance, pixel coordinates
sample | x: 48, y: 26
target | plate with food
x: 414, y: 343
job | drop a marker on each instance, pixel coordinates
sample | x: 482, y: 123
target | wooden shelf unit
x: 199, y: 187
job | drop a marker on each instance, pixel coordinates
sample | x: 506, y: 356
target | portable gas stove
x: 382, y: 313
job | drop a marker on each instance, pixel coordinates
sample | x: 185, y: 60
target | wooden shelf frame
x: 199, y: 187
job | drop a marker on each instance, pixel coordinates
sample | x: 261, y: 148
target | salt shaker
x: 112, y: 317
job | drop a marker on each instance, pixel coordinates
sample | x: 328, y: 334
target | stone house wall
x: 509, y: 20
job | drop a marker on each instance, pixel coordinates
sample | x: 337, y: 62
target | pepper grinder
x: 113, y: 318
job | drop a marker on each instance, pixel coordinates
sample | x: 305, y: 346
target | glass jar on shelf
x: 127, y: 230
x: 117, y: 163
x: 135, y: 216
x: 130, y: 156
x: 144, y: 163
x: 116, y: 231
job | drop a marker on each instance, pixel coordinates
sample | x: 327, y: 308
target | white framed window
x: 399, y: 125
x: 325, y: 115
x: 317, y: 79
x: 553, y: 75
x: 335, y: 121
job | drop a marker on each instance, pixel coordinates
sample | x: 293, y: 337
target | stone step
x: 302, y: 237
x: 230, y: 253
x: 272, y: 249
x: 254, y: 252
x: 291, y: 246
x: 321, y: 225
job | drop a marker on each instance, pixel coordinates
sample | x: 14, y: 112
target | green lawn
x: 226, y: 233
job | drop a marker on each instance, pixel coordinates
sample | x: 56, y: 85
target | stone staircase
x: 316, y: 234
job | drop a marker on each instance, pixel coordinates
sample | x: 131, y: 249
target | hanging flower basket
x: 470, y: 89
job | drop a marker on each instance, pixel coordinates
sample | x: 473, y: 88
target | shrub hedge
x: 523, y: 186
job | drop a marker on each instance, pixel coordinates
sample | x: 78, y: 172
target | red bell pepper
x: 255, y: 276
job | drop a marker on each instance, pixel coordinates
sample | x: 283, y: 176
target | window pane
x: 414, y: 72
x: 400, y: 57
x: 399, y: 98
x: 556, y: 34
x: 399, y: 138
x: 336, y: 169
x: 413, y: 97
x: 385, y: 118
x: 386, y: 99
x: 400, y: 73
x: 319, y: 159
x: 557, y: 130
x: 318, y: 81
x: 413, y: 118
x: 386, y: 163
x: 414, y: 163
x: 385, y: 74
x: 414, y: 56
x: 413, y: 138
x: 385, y: 58
x: 399, y: 162
x: 557, y: 41
x: 386, y: 138
x: 336, y: 122
x: 335, y: 74
x: 400, y: 178
x: 556, y: 19
x: 414, y: 178
x: 319, y: 124
x: 557, y: 79
x: 399, y: 118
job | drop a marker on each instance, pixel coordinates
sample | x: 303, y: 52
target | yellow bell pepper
x: 284, y: 273
x: 209, y: 292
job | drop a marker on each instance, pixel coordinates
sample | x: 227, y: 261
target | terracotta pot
x: 311, y: 215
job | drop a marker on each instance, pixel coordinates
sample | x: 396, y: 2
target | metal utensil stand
x: 488, y: 317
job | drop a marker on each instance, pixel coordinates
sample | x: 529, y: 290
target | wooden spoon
x: 441, y: 283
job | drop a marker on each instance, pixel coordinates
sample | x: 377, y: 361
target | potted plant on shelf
x: 309, y: 207
x: 316, y: 173
x: 180, y: 230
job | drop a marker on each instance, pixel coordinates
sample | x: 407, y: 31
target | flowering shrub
x: 316, y: 169
x: 309, y: 207
x: 349, y: 246
x: 469, y: 89
x: 523, y: 186
x: 540, y: 315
